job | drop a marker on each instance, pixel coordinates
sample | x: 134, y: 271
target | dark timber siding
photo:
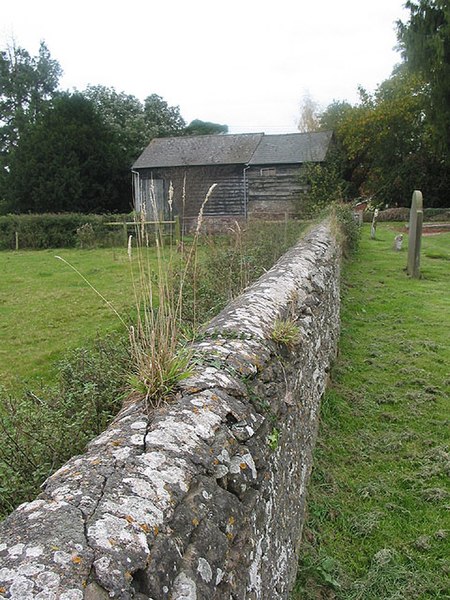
x: 226, y: 199
x: 273, y: 189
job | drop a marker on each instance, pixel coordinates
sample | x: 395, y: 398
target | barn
x: 257, y: 175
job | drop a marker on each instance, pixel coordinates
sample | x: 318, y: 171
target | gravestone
x: 373, y: 229
x: 398, y: 242
x: 415, y: 234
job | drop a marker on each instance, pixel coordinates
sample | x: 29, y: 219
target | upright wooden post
x: 415, y: 234
x: 177, y: 229
x: 286, y: 219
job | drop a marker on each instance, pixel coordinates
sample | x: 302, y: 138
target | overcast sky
x: 245, y: 63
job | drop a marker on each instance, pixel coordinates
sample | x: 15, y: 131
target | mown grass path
x: 379, y: 498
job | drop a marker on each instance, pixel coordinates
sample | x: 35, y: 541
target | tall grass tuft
x: 160, y: 358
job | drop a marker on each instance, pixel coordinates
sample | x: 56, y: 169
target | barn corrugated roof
x: 199, y: 150
x: 244, y: 148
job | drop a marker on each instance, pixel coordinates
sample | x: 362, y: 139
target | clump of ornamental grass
x: 160, y: 358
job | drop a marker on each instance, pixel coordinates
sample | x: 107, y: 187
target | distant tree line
x: 63, y: 151
x: 396, y: 139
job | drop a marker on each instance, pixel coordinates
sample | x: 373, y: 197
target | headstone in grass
x: 398, y: 242
x: 415, y: 234
x: 373, y: 229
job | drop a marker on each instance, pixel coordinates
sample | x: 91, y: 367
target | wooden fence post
x: 177, y: 229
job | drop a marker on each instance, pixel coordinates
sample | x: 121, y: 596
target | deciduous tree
x: 309, y: 114
x: 27, y: 85
x: 161, y: 119
x: 198, y: 127
x: 386, y: 142
x: 124, y: 115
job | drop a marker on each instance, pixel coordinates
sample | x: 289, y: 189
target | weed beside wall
x: 204, y: 497
x: 43, y: 428
x: 228, y: 264
x: 349, y: 228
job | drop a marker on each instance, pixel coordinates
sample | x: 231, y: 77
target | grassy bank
x: 379, y: 498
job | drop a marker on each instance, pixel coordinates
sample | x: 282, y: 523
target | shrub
x: 349, y: 229
x: 324, y: 184
x: 402, y: 214
x: 57, y: 230
x: 389, y: 214
x: 40, y: 431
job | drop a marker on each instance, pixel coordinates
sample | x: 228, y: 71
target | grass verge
x: 379, y: 497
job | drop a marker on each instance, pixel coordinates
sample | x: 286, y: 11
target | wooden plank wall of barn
x: 227, y: 198
x: 268, y: 196
x: 273, y: 195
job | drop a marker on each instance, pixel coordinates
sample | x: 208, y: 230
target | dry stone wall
x: 204, y: 498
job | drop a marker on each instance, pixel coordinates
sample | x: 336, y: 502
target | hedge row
x: 402, y: 214
x: 66, y: 230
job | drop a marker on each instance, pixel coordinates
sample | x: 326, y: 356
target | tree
x: 309, y: 115
x: 162, y: 120
x: 197, y: 127
x: 124, y: 115
x: 425, y: 44
x: 333, y: 115
x: 27, y: 86
x: 69, y: 160
x: 387, y: 144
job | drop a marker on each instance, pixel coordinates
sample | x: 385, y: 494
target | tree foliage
x: 68, y: 161
x: 161, y: 119
x: 123, y: 114
x: 425, y: 44
x: 73, y: 152
x: 383, y: 138
x: 27, y: 85
x: 387, y: 143
x: 198, y: 127
x: 397, y: 138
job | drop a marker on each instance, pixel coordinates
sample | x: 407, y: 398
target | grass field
x: 46, y: 308
x: 379, y: 498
